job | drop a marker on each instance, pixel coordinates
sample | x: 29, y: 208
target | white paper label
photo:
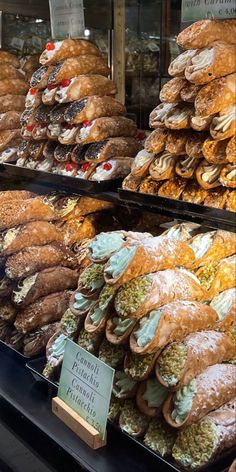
x: 193, y: 10
x: 67, y: 18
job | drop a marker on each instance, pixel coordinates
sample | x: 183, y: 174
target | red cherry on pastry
x: 85, y: 166
x: 30, y: 127
x: 50, y: 46
x: 32, y: 91
x: 87, y: 123
x: 70, y: 167
x: 107, y: 166
x: 141, y: 135
x: 65, y: 83
x: 51, y: 86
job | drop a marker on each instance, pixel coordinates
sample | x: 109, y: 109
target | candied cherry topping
x: 32, y: 91
x: 87, y: 123
x: 50, y: 46
x: 85, y: 166
x: 107, y: 166
x: 70, y: 167
x: 30, y: 127
x: 65, y: 83
x: 51, y: 86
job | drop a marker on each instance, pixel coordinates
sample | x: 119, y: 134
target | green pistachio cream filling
x: 147, y: 328
x: 131, y: 295
x: 121, y: 326
x: 111, y: 354
x: 58, y: 347
x: 122, y: 384
x: 138, y: 366
x: 183, y: 400
x: 92, y: 277
x: 133, y: 421
x: 160, y: 437
x: 155, y: 393
x: 105, y: 244
x: 171, y: 363
x: 81, y: 303
x: 222, y: 302
x: 119, y: 261
x: 196, y: 444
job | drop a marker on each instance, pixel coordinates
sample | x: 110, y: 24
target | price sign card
x: 85, y: 386
x: 67, y: 18
x: 193, y: 10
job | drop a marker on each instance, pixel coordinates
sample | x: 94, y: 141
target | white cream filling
x: 55, y: 129
x: 8, y: 238
x: 224, y: 122
x: 23, y: 288
x: 103, y: 174
x: 7, y: 154
x: 50, y: 93
x: 222, y: 302
x: 178, y: 116
x: 142, y: 158
x: 2, y: 115
x: 163, y: 163
x: 49, y: 54
x: 162, y: 111
x: 30, y: 99
x: 69, y: 133
x: 21, y: 161
x: 232, y: 175
x: 84, y: 132
x: 203, y: 59
x: 187, y: 163
x: 201, y: 120
x: 61, y: 94
x: 182, y: 60
x: 45, y: 164
x: 201, y: 244
x: 31, y: 164
x: 210, y: 174
x: 39, y: 131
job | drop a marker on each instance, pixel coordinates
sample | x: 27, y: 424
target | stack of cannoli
x: 161, y: 312
x: 72, y: 124
x: 191, y: 154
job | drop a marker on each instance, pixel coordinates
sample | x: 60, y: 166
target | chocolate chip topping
x: 55, y: 71
x: 25, y: 116
x: 35, y: 148
x: 94, y: 150
x: 22, y: 148
x: 57, y: 113
x: 42, y: 114
x: 79, y: 153
x: 75, y: 108
x: 38, y: 75
x: 63, y: 152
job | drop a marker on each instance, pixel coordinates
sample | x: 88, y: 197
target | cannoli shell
x: 158, y: 115
x: 7, y: 311
x: 93, y: 107
x: 204, y: 32
x: 49, y: 95
x: 36, y: 342
x: 39, y: 132
x: 193, y: 193
x: 189, y: 92
x: 67, y: 48
x: 223, y: 245
x: 23, y: 149
x: 63, y: 153
x: 141, y: 163
x: 14, y: 213
x: 85, y: 86
x: 204, y: 348
x: 186, y: 166
x: 114, y: 338
x: 172, y: 188
x: 163, y: 167
x: 216, y: 198
x: 113, y: 147
x: 82, y: 206
x: 106, y: 127
x: 150, y: 186
x: 90, y: 327
x: 176, y: 141
x: 201, y: 123
x: 230, y: 129
x: 215, y: 96
x: 231, y: 150
x: 43, y: 311
x: 211, y: 172
x: 45, y: 164
x: 8, y: 71
x: 12, y: 102
x: 36, y: 149
x: 68, y: 134
x: 131, y: 182
x: 143, y: 425
x: 39, y: 79
x: 231, y: 201
x: 11, y: 195
x: 155, y: 143
x: 224, y: 277
x: 179, y: 64
x: 9, y: 138
x: 13, y: 87
x: 194, y: 145
x: 142, y: 404
x: 74, y: 66
x: 228, y: 176
x: 127, y: 394
x: 229, y: 320
x: 33, y: 98
x: 170, y: 92
x: 214, y: 387
x: 215, y: 151
x: 10, y: 120
x: 9, y: 58
x: 77, y: 229
x: 179, y: 117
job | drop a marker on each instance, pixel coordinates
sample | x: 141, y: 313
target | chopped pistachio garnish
x: 133, y: 421
x: 106, y: 296
x: 111, y: 354
x: 171, y: 362
x: 160, y: 437
x: 92, y: 277
x: 137, y: 366
x: 114, y: 409
x: 132, y: 294
x: 69, y: 323
x: 207, y: 275
x: 87, y: 341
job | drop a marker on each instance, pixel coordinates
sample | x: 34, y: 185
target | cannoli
x: 176, y: 141
x: 132, y: 421
x: 186, y: 166
x: 181, y: 362
x: 23, y: 148
x: 115, y: 410
x: 91, y: 280
x: 6, y: 285
x: 36, y: 258
x: 179, y: 64
x: 116, y: 168
x: 179, y: 117
x: 29, y: 64
x: 150, y: 397
x: 55, y: 349
x: 123, y: 386
x: 224, y: 125
x: 70, y: 169
x: 113, y: 147
x: 15, y: 339
x: 139, y: 368
x: 35, y: 233
x: 214, y: 433
x: 216, y: 96
x: 155, y: 143
x: 57, y: 113
x: 158, y: 115
x: 170, y: 92
x: 172, y: 188
x: 216, y: 198
x: 149, y: 292
x: 39, y: 79
x: 33, y: 98
x: 13, y: 87
x: 160, y: 437
x: 42, y: 114
x: 68, y: 133
x: 85, y: 170
x: 9, y: 120
x: 131, y: 182
x: 111, y: 355
x: 201, y: 123
x: 99, y: 313
x: 208, y: 175
x: 75, y: 206
x: 83, y: 86
x: 49, y: 148
x: 7, y: 311
x: 80, y: 305
x: 5, y: 330
x: 78, y: 153
x: 211, y: 63
x: 231, y: 201
x: 103, y: 128
x: 75, y: 230
x: 189, y: 92
x: 19, y: 195
x: 27, y: 117
x: 8, y: 155
x: 206, y: 392
x: 14, y: 213
x: 216, y: 277
x: 141, y: 163
x: 194, y: 145
x: 54, y: 130
x: 193, y: 193
x: 35, y: 149
x: 204, y: 32
x: 90, y: 341
x: 9, y: 58
x: 163, y: 166
x: 62, y: 153
x: 12, y: 103
x: 215, y: 151
x: 39, y: 131
x: 90, y: 108
x: 149, y: 185
x: 9, y: 138
x: 54, y: 279
x: 75, y: 66
x: 30, y: 163
x: 118, y: 330
x: 212, y: 246
x: 43, y: 311
x: 49, y: 94
x: 182, y: 231
x: 35, y: 343
x: 231, y: 150
x: 225, y: 306
x: 61, y: 50
x: 228, y: 176
x: 21, y: 162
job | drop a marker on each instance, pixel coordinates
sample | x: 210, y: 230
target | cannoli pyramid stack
x: 191, y: 154
x: 72, y: 124
x: 161, y: 311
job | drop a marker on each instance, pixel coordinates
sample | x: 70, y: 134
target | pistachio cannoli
x: 90, y: 108
x: 111, y: 355
x: 123, y: 386
x: 193, y: 193
x: 216, y: 198
x: 90, y: 341
x: 189, y: 92
x: 212, y: 246
x: 132, y: 421
x: 13, y: 86
x: 118, y: 330
x: 210, y: 101
x: 150, y: 397
x: 39, y: 79
x: 208, y: 174
x: 186, y: 166
x: 160, y: 437
x: 106, y: 127
x: 139, y: 368
x: 158, y: 115
x: 198, y: 444
x: 176, y: 141
x: 204, y: 32
x: 91, y: 280
x: 172, y: 188
x: 225, y: 306
x: 170, y: 92
x: 179, y: 64
x: 181, y: 362
x: 179, y: 117
x: 114, y: 409
x: 208, y: 391
x: 36, y: 342
x: 14, y: 213
x: 155, y: 142
x: 228, y: 176
x: 224, y: 125
x: 74, y: 66
x: 12, y: 102
x: 80, y: 305
x: 83, y: 86
x: 55, y: 349
x: 60, y: 50
x: 216, y: 277
x: 33, y: 98
x: 8, y: 311
x: 231, y: 150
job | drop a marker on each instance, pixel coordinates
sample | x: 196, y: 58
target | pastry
x: 14, y: 213
x: 216, y: 431
x: 204, y: 32
x: 89, y: 341
x: 49, y: 94
x: 150, y: 292
x: 139, y: 368
x: 9, y: 120
x: 194, y: 145
x: 54, y: 130
x: 172, y: 188
x: 170, y: 92
x: 176, y: 141
x: 216, y: 277
x: 35, y: 343
x: 228, y: 176
x: 35, y: 149
x: 208, y: 175
x: 189, y: 92
x: 212, y: 246
x: 231, y: 201
x: 224, y: 125
x: 11, y: 195
x: 51, y: 280
x: 132, y: 421
x: 216, y: 198
x: 36, y: 258
x: 179, y: 117
x: 10, y: 102
x: 141, y: 163
x: 83, y: 86
x: 39, y: 131
x: 57, y: 113
x: 49, y: 148
x: 42, y: 114
x: 179, y: 64
x: 13, y: 87
x: 73, y: 207
x: 215, y: 151
x: 74, y: 66
x: 182, y: 231
x: 63, y: 153
x: 181, y: 362
x: 7, y: 311
x: 186, y: 166
x: 23, y: 149
x: 27, y: 117
x: 131, y: 182
x: 43, y: 311
x: 15, y: 339
x: 225, y: 305
x: 80, y: 305
x: 9, y: 138
x: 150, y: 397
x: 33, y: 98
x: 9, y: 58
x: 123, y: 386
x: 115, y: 409
x: 155, y: 143
x: 216, y: 96
x: 91, y: 281
x: 116, y: 168
x: 78, y: 153
x: 39, y: 79
x: 55, y: 349
x: 160, y: 437
x: 193, y: 193
x: 8, y: 155
x: 29, y: 64
x: 6, y: 286
x: 211, y: 63
x: 90, y: 108
x: 163, y: 166
x: 111, y: 355
x: 68, y: 133
x: 61, y: 50
x: 158, y: 115
x: 208, y: 391
x: 149, y: 185
x: 103, y: 128
x: 118, y: 330
x: 111, y: 148
x: 95, y: 321
x: 5, y: 330
x: 201, y: 123
x: 231, y: 150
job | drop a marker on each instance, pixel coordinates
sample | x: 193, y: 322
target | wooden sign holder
x: 78, y: 425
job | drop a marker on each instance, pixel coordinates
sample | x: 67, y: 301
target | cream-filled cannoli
x: 201, y: 123
x: 7, y: 311
x: 228, y: 176
x: 186, y: 166
x: 179, y: 64
x: 42, y: 114
x: 141, y: 163
x: 54, y: 130
x: 23, y: 149
x: 204, y: 32
x: 123, y: 386
x: 70, y: 169
x: 216, y: 431
x: 8, y: 155
x: 73, y: 207
x: 11, y: 102
x: 158, y: 115
x: 225, y: 306
x: 106, y: 127
x: 19, y: 195
x: 176, y: 141
x: 212, y: 246
x: 206, y: 392
x: 9, y: 58
x: 80, y: 305
x: 182, y: 231
x: 189, y: 92
x: 35, y: 343
x: 132, y: 421
x: 6, y: 286
x: 75, y: 230
x: 30, y: 163
x: 96, y: 319
x: 193, y: 193
x: 179, y: 117
x: 155, y: 143
x: 68, y: 133
x: 90, y: 108
x: 216, y: 198
x: 149, y: 185
x: 27, y: 117
x: 55, y: 349
x: 194, y: 145
x: 49, y: 94
x: 9, y: 120
x: 39, y: 79
x: 63, y: 153
x: 170, y: 92
x: 163, y: 166
x: 139, y: 368
x: 112, y: 355
x: 215, y: 151
x: 231, y: 150
x: 33, y: 98
x: 14, y: 213
x: 91, y: 280
x: 39, y: 131
x: 118, y: 330
x: 85, y: 170
x: 45, y: 164
x: 215, y: 277
x: 15, y: 339
x: 74, y: 66
x: 9, y: 138
x: 150, y: 397
x: 90, y: 341
x: 216, y: 96
x: 114, y: 409
x: 131, y: 182
x: 57, y: 113
x: 78, y: 153
x: 211, y: 63
x: 13, y: 87
x: 116, y: 168
x: 83, y: 86
x: 160, y: 437
x: 35, y: 149
x: 224, y: 125
x: 172, y: 188
x: 208, y: 174
x: 60, y: 50
x: 111, y: 148
x: 181, y: 362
